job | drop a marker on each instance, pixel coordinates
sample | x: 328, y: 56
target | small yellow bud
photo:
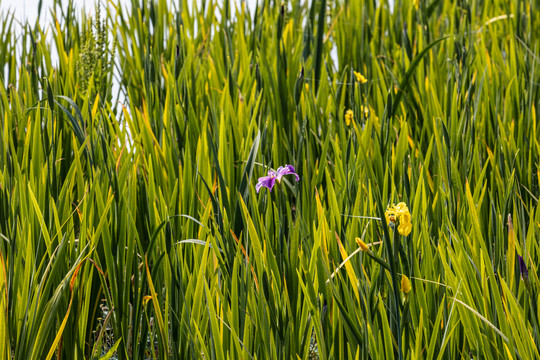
x: 405, y: 284
x: 362, y: 244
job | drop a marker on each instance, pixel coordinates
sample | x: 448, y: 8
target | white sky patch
x: 28, y: 9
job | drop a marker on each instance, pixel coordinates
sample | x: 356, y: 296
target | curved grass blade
x: 405, y: 82
x: 195, y: 241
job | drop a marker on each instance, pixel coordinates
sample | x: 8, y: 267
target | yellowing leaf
x: 510, y: 255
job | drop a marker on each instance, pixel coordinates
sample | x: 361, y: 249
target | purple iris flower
x: 273, y: 176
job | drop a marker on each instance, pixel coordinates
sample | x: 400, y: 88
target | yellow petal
x: 405, y: 217
x: 390, y: 216
x: 401, y: 206
x: 405, y: 229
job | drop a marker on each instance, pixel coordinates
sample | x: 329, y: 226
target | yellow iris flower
x: 359, y: 77
x: 399, y: 215
x: 349, y: 117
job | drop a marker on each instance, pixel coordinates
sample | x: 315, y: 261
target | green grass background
x: 143, y: 200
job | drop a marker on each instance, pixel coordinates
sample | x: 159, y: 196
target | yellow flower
x: 405, y: 284
x: 306, y: 85
x: 360, y: 78
x: 365, y: 110
x: 349, y: 116
x: 362, y: 244
x: 399, y: 215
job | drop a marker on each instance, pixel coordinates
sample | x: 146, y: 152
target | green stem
x: 394, y: 261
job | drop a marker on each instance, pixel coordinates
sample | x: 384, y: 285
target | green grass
x: 141, y: 196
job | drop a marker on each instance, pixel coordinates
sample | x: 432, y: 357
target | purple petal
x: 267, y: 181
x: 286, y: 170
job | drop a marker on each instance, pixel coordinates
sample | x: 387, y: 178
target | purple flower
x: 523, y: 269
x: 273, y: 176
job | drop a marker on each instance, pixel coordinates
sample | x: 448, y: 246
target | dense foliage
x: 131, y: 145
